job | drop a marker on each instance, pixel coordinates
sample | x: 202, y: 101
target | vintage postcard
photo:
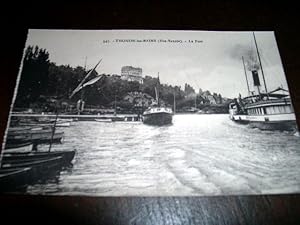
x: 151, y: 113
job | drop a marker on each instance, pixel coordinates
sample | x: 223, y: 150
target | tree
x: 34, y: 76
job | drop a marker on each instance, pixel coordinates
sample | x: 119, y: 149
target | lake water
x: 197, y: 155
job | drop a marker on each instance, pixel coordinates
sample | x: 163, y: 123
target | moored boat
x: 158, y: 114
x: 63, y: 124
x: 18, y: 147
x: 44, y: 136
x: 274, y: 113
x: 14, y: 179
x: 46, y: 124
x: 39, y: 164
x: 104, y: 120
x: 18, y: 174
x: 264, y: 110
x: 67, y: 156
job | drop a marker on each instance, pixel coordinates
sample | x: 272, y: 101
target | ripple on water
x: 197, y: 155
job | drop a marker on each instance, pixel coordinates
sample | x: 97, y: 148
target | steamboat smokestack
x: 255, y: 76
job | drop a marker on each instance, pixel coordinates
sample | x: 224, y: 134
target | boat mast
x: 85, y: 63
x: 246, y: 75
x: 115, y: 113
x: 262, y: 71
x: 174, y: 102
x: 157, y: 90
x: 82, y: 84
x: 82, y: 91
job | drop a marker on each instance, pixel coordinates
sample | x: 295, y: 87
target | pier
x: 121, y: 117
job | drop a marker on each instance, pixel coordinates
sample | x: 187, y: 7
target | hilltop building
x: 130, y: 73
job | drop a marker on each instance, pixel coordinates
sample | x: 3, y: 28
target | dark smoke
x: 249, y: 54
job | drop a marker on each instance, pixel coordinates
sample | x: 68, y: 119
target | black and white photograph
x: 151, y: 113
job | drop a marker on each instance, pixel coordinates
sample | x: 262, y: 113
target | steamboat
x: 267, y: 111
x: 158, y: 114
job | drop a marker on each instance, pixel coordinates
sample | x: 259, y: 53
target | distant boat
x: 63, y: 124
x: 46, y: 123
x: 31, y: 129
x: 104, y: 120
x: 156, y: 114
x: 266, y: 111
x: 65, y: 120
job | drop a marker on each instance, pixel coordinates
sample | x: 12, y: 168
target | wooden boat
x: 67, y: 156
x: 19, y: 173
x: 17, y: 145
x: 104, y: 120
x: 63, y: 124
x: 46, y: 123
x: 41, y: 170
x: 65, y: 119
x: 47, y: 162
x: 21, y: 147
x: 40, y: 166
x: 58, y: 122
x: 14, y: 179
x: 28, y: 129
x: 35, y: 137
x: 158, y: 114
x: 20, y: 169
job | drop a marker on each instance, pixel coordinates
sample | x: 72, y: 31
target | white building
x: 130, y: 73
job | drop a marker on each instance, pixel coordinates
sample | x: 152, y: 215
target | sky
x: 204, y: 59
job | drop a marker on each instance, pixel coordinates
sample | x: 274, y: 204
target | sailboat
x: 267, y: 111
x: 84, y: 83
x: 157, y: 114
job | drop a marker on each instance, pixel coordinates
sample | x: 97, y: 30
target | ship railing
x: 270, y: 101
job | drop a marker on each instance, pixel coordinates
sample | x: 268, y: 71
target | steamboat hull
x: 158, y: 119
x: 281, y: 126
x: 283, y: 122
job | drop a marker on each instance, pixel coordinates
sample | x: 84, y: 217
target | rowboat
x: 36, y: 137
x: 21, y: 169
x: 18, y: 174
x: 21, y: 147
x: 28, y: 129
x: 41, y: 170
x: 46, y: 123
x: 14, y: 179
x: 17, y: 145
x: 63, y: 124
x: 65, y: 119
x: 104, y: 120
x: 39, y: 165
x: 67, y: 156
